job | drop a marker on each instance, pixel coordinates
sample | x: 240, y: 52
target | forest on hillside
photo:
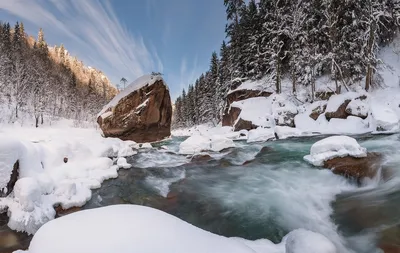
x: 295, y: 40
x: 38, y: 81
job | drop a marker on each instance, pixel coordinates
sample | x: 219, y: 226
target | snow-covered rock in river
x: 170, y: 233
x: 198, y: 143
x: 142, y: 112
x: 332, y: 147
x: 261, y: 135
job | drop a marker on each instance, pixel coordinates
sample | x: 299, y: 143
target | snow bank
x: 198, y: 143
x: 136, y: 85
x: 45, y: 180
x: 139, y: 227
x: 332, y: 147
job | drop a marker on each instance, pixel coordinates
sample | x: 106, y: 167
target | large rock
x: 231, y: 114
x: 141, y: 113
x: 356, y: 168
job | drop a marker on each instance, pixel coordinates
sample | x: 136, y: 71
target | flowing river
x: 263, y: 190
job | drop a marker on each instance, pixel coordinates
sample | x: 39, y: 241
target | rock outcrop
x: 141, y: 113
x: 231, y: 114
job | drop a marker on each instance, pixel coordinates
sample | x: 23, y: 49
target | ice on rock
x: 302, y: 241
x: 122, y: 163
x: 332, y: 147
x: 261, y: 135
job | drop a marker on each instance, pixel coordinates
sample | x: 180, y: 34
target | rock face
x: 13, y: 179
x: 141, y: 113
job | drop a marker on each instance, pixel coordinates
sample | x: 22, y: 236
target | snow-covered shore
x: 46, y: 179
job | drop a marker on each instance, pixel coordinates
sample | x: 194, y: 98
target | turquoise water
x: 263, y: 191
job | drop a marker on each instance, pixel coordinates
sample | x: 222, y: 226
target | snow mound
x: 261, y: 135
x: 332, y: 147
x: 136, y: 85
x: 139, y: 227
x: 301, y: 241
x: 197, y: 143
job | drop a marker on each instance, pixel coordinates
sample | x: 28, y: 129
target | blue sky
x: 129, y: 38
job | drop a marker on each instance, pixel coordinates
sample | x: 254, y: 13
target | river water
x: 265, y: 190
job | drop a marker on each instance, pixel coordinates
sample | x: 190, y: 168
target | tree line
x: 38, y: 80
x: 293, y: 40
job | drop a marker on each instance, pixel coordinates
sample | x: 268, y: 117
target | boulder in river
x: 141, y: 113
x: 356, y: 168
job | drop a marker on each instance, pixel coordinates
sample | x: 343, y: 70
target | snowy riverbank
x: 56, y: 166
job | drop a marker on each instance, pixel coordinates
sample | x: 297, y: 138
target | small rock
x: 65, y: 159
x: 201, y: 158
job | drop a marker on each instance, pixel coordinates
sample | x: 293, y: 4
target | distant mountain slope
x: 39, y: 82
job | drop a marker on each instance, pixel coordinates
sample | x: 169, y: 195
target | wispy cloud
x: 93, y: 29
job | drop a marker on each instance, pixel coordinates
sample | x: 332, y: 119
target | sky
x: 129, y: 38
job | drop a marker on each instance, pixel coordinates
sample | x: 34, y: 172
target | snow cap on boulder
x: 332, y: 147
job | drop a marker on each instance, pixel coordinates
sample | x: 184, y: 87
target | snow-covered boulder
x: 198, y: 143
x: 261, y: 135
x: 194, y: 144
x: 385, y: 119
x: 127, y: 229
x: 219, y: 143
x: 337, y: 104
x: 141, y: 112
x: 358, y: 108
x: 301, y: 241
x: 283, y: 110
x: 284, y: 132
x: 332, y: 147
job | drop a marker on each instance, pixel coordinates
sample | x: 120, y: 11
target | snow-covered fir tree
x: 38, y: 80
x: 296, y: 39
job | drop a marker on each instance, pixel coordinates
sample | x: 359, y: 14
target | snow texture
x: 136, y: 85
x: 45, y: 180
x: 97, y: 234
x: 332, y: 147
x: 358, y: 108
x: 198, y: 143
x: 261, y: 135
